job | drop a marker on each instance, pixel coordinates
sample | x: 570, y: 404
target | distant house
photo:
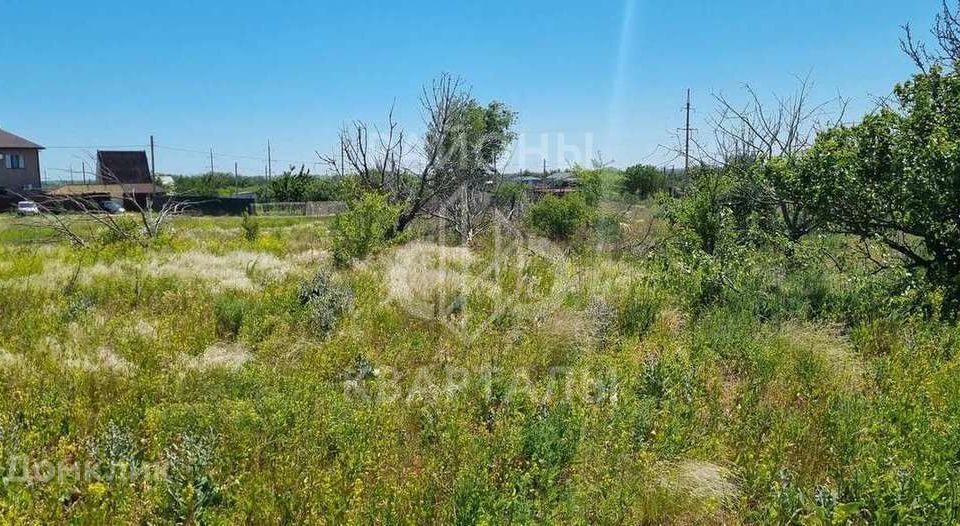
x: 556, y: 183
x: 124, y: 168
x: 121, y: 176
x: 19, y: 163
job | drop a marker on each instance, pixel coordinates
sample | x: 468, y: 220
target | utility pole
x: 83, y: 166
x: 269, y: 161
x: 211, y: 161
x: 686, y: 150
x: 71, y: 174
x: 236, y: 178
x: 153, y: 167
x: 153, y: 162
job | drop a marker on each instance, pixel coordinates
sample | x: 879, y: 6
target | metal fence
x: 309, y: 208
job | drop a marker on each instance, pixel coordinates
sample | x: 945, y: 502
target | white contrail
x: 620, y: 76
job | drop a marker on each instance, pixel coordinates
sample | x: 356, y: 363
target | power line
x: 269, y: 159
x: 94, y: 147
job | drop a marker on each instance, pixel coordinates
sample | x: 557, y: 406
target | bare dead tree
x: 467, y: 211
x: 66, y: 215
x: 749, y: 137
x: 454, y: 171
x: 61, y: 228
x: 946, y: 35
x: 379, y: 163
x: 755, y: 129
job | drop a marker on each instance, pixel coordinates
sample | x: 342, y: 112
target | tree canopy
x: 895, y: 176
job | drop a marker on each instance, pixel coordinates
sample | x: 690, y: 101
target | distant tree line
x: 293, y: 185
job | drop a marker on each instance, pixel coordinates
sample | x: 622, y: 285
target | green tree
x: 775, y: 191
x: 326, y: 189
x: 480, y: 137
x: 642, y: 181
x: 895, y: 177
x: 291, y: 186
x: 209, y: 184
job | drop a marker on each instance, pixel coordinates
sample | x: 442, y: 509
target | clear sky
x: 607, y: 75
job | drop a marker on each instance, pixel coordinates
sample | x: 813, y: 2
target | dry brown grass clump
x: 429, y: 281
x: 8, y: 359
x: 235, y: 270
x: 831, y: 349
x: 702, y: 483
x: 240, y: 270
x: 104, y: 360
x: 672, y: 320
x: 219, y: 356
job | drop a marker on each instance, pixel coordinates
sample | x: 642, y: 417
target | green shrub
x: 122, y: 229
x: 638, y: 311
x: 608, y: 229
x: 229, y: 312
x: 703, y: 218
x: 550, y: 441
x: 590, y: 184
x: 560, y: 218
x: 511, y: 195
x: 326, y: 189
x: 291, y: 186
x: 364, y: 228
x: 250, y: 227
x: 325, y: 302
x: 191, y: 490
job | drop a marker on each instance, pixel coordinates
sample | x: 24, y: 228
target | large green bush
x: 590, y: 184
x: 364, y: 228
x: 642, y: 181
x: 703, y: 218
x: 560, y: 218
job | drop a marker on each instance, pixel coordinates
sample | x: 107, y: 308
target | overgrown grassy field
x: 212, y: 378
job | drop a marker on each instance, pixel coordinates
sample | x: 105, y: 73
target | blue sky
x: 604, y: 76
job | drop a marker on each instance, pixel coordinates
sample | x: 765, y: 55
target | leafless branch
x: 946, y: 35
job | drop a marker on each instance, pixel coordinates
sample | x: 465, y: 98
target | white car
x: 27, y: 208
